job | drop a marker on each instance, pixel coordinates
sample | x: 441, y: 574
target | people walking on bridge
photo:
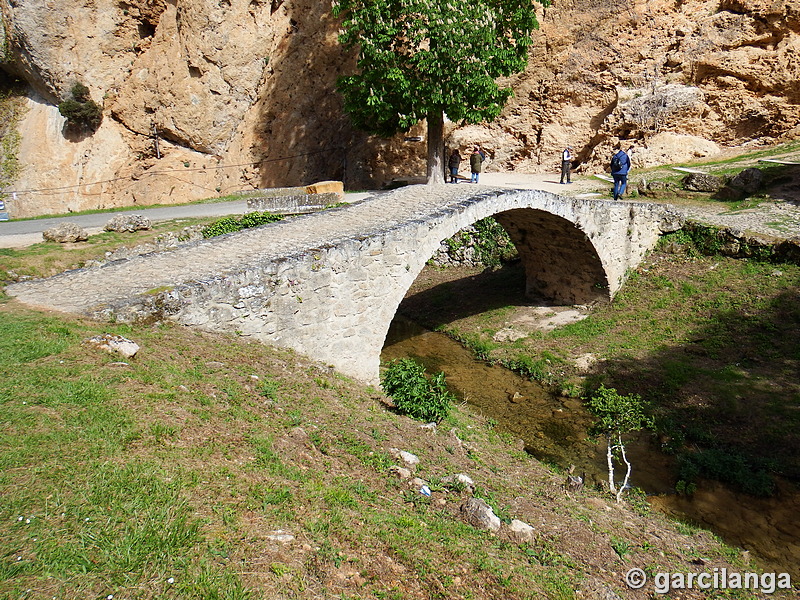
x: 453, y: 163
x: 475, y: 161
x: 566, y: 164
x: 620, y: 166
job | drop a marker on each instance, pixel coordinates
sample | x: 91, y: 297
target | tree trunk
x: 610, y: 459
x: 627, y: 473
x: 435, y: 147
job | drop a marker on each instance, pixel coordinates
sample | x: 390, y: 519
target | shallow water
x: 554, y: 430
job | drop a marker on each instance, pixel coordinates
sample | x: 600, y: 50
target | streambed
x: 554, y: 430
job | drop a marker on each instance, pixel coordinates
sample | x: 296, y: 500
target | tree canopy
x: 422, y: 59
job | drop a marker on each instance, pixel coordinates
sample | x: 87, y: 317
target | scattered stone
x: 521, y: 532
x: 401, y: 472
x: 406, y: 457
x: 480, y: 515
x: 128, y: 223
x: 214, y: 364
x: 64, y: 233
x: 466, y: 480
x: 280, y: 536
x: 515, y: 397
x: 417, y: 483
x: 594, y: 589
x: 115, y: 343
x: 585, y: 362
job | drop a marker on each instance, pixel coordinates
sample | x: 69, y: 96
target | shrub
x: 254, y: 219
x: 231, y: 224
x: 414, y: 393
x: 80, y: 110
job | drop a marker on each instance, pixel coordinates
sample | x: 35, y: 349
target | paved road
x: 18, y: 234
x: 775, y: 219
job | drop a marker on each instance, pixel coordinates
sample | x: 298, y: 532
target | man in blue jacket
x: 620, y: 165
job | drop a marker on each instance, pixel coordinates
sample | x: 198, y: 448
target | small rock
x: 479, y: 514
x: 521, y: 531
x: 416, y: 483
x: 401, y: 472
x: 460, y: 478
x: 406, y: 457
x: 702, y: 182
x: 115, y: 343
x: 280, y: 536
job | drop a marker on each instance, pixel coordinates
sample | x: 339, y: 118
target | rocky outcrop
x: 203, y: 97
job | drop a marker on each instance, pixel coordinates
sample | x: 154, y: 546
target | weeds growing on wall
x: 490, y: 241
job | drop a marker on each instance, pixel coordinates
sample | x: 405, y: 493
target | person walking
x: 620, y: 166
x: 475, y: 161
x: 566, y: 164
x: 453, y: 163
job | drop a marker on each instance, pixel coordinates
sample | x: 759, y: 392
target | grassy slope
x: 164, y: 476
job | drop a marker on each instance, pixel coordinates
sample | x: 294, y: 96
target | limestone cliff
x: 206, y: 97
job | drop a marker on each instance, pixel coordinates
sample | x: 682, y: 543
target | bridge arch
x: 328, y: 284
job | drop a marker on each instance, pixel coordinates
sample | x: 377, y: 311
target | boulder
x: 702, y: 182
x: 128, y: 223
x: 65, y: 232
x: 748, y: 181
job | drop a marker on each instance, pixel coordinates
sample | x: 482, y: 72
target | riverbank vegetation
x: 711, y: 341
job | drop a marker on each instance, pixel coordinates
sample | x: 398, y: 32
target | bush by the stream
x: 231, y: 224
x: 414, y: 393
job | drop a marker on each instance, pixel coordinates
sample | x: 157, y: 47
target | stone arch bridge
x: 328, y: 284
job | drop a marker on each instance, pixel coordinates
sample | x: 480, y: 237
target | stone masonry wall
x: 328, y: 284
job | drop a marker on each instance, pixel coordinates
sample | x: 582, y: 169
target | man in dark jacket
x: 620, y: 165
x: 453, y: 163
x: 475, y: 161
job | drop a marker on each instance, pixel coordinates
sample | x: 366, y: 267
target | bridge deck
x: 76, y: 291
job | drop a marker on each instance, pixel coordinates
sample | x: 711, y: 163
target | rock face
x: 206, y: 97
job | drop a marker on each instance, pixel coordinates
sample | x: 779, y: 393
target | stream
x: 554, y: 430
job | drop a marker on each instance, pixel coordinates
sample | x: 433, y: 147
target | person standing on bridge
x: 620, y: 166
x: 566, y: 164
x: 453, y: 163
x: 475, y: 161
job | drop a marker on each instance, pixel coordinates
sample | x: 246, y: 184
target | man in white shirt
x: 566, y: 163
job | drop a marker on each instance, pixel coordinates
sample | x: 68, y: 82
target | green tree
x: 617, y: 415
x: 424, y: 59
x: 80, y: 111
